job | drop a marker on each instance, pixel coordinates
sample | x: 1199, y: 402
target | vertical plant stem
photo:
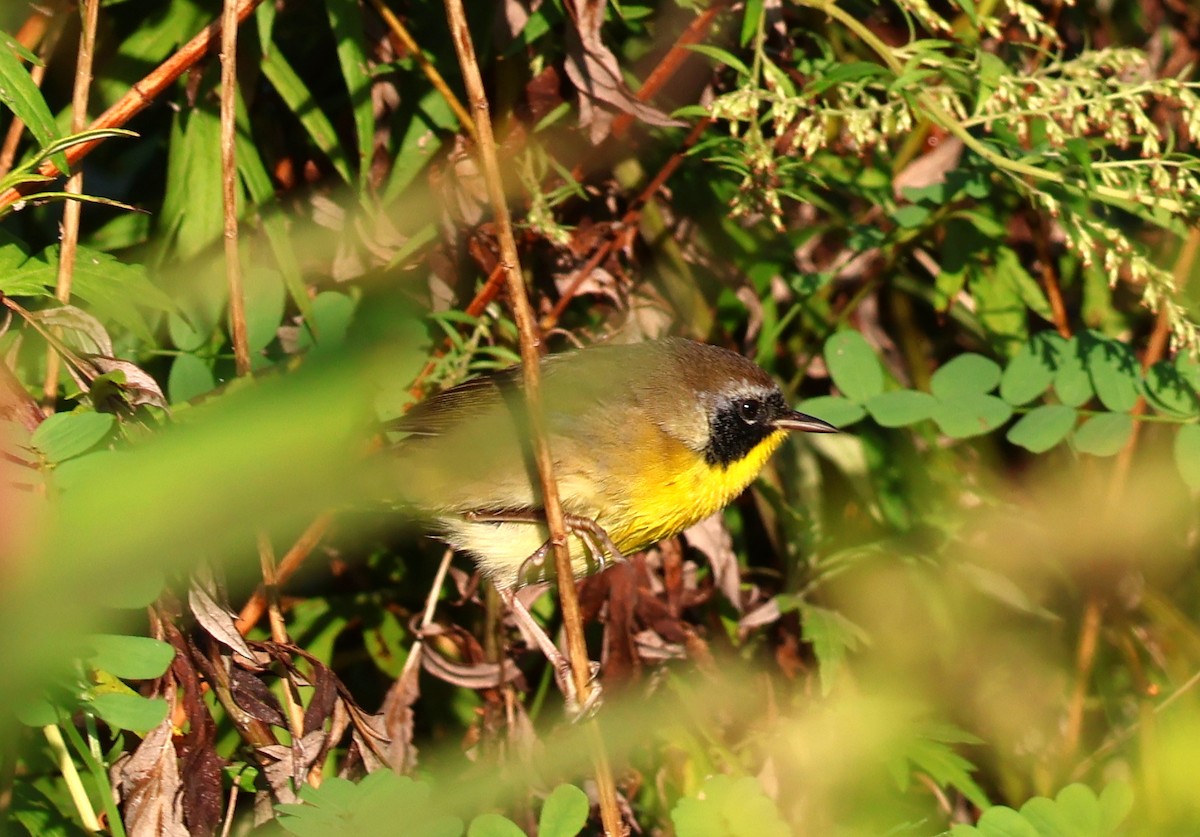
x: 233, y: 264
x: 279, y: 635
x: 530, y: 360
x: 66, y: 766
x: 401, y: 34
x: 74, y: 186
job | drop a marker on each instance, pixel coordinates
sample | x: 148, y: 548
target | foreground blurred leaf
x: 564, y: 813
x: 1187, y: 454
x: 728, y: 807
x: 1104, y: 434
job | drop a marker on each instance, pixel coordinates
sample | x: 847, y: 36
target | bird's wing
x: 449, y: 408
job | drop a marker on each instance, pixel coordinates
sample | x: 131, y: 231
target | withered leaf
x: 595, y: 71
x: 253, y: 696
x: 150, y: 789
x: 218, y: 621
x: 398, y: 714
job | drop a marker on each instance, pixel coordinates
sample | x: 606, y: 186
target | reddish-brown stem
x: 627, y: 220
x: 254, y: 609
x: 233, y: 263
x: 140, y: 95
x: 666, y: 69
x: 531, y: 360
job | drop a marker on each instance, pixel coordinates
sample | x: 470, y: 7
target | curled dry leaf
x: 80, y: 330
x: 217, y: 620
x: 398, y: 715
x: 712, y: 538
x: 286, y: 764
x: 594, y: 70
x: 149, y: 786
x: 468, y: 675
x: 253, y: 696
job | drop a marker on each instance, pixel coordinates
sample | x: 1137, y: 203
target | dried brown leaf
x: 398, y: 714
x: 218, y: 621
x: 150, y: 789
x: 711, y: 537
x: 255, y: 699
x: 594, y: 70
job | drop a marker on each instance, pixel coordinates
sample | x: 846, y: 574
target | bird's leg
x: 560, y: 664
x: 590, y: 533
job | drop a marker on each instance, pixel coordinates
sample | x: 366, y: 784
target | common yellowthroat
x: 647, y: 439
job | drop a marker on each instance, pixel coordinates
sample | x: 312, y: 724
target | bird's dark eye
x: 750, y: 411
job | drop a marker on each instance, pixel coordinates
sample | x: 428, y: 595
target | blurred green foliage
x: 964, y: 232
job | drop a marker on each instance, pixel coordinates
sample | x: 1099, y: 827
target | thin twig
x: 629, y: 219
x: 139, y: 96
x: 666, y: 68
x: 279, y: 635
x: 1156, y: 350
x: 233, y: 262
x: 47, y: 36
x: 292, y: 559
x: 531, y: 359
x: 401, y: 33
x: 72, y: 209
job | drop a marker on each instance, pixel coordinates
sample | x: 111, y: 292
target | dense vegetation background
x: 964, y: 231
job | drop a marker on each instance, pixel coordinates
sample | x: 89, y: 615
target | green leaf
x: 193, y: 201
x: 1072, y: 383
x: 1080, y: 808
x: 901, y: 407
x: 565, y: 812
x: 971, y: 415
x: 190, y: 376
x: 66, y: 435
x: 38, y: 814
x: 1114, y: 372
x: 1116, y: 801
x: 1031, y: 371
x: 493, y: 825
x: 131, y: 712
x: 853, y: 366
x: 23, y: 98
x: 723, y: 56
x: 728, y: 807
x: 910, y: 216
x: 129, y: 657
x: 1187, y: 454
x: 346, y: 21
x: 838, y: 411
x: 300, y: 102
x: 1043, y: 427
x: 831, y: 636
x: 1104, y: 434
x: 332, y: 313
x: 1169, y: 391
x: 113, y: 290
x: 1001, y: 821
x: 967, y: 374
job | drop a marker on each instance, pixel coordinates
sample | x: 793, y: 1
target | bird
x: 646, y: 439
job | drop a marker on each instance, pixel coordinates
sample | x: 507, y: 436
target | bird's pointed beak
x: 793, y: 420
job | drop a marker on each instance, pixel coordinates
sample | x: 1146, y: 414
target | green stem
x: 947, y: 121
x: 99, y: 777
x: 66, y: 766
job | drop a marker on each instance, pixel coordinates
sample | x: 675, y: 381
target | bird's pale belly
x: 675, y: 489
